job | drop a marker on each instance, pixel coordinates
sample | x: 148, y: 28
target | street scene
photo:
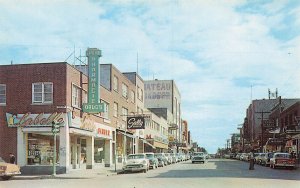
x: 149, y: 93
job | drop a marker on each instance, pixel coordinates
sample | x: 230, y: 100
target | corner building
x: 36, y: 94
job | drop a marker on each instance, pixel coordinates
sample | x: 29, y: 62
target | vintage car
x: 153, y: 160
x: 136, y: 162
x: 282, y: 160
x: 265, y: 158
x: 8, y: 170
x: 162, y: 159
x: 198, y: 157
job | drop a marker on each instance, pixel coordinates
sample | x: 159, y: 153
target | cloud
x: 214, y: 50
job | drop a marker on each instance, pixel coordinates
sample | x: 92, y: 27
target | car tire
x: 145, y: 171
x: 193, y: 162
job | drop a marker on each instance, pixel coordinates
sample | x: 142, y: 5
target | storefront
x: 80, y: 142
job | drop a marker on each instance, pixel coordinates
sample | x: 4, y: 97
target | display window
x: 99, y: 150
x: 40, y: 149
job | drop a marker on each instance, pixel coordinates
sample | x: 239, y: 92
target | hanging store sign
x: 35, y: 120
x: 93, y: 106
x: 135, y: 122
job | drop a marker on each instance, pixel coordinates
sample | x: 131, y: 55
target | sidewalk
x: 78, y: 173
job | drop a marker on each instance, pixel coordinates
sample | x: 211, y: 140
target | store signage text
x: 102, y: 131
x: 135, y: 122
x: 93, y: 106
x: 158, y: 90
x: 28, y: 119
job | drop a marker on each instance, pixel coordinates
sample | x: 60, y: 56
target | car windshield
x: 136, y: 156
x: 150, y: 156
x: 158, y: 155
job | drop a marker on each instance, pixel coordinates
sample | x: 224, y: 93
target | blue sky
x: 214, y: 50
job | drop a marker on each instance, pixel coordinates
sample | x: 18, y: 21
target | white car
x: 136, y: 162
x: 198, y: 157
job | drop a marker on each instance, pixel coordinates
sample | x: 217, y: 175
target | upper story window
x: 116, y: 84
x: 2, y: 94
x: 105, y: 114
x: 124, y: 90
x: 124, y: 113
x: 115, y: 109
x: 84, y: 96
x: 132, y: 96
x: 42, y: 92
x: 140, y: 94
x: 75, y: 96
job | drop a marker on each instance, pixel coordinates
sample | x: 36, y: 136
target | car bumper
x: 135, y: 168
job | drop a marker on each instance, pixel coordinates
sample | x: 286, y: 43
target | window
x: 42, y: 93
x: 106, y: 109
x: 140, y: 94
x: 124, y: 113
x: 116, y: 84
x: 132, y: 96
x: 115, y: 109
x: 84, y: 97
x: 75, y: 96
x: 124, y: 90
x: 2, y: 94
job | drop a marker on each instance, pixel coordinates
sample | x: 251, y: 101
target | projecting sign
x: 135, y: 122
x: 93, y: 105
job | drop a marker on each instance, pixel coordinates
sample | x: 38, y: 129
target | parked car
x: 198, y: 157
x: 174, y: 158
x: 169, y: 157
x: 162, y: 159
x: 136, y: 162
x: 257, y: 158
x: 282, y: 160
x: 8, y: 170
x: 152, y: 160
x: 265, y: 159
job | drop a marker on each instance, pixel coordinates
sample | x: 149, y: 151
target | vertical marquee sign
x: 93, y: 106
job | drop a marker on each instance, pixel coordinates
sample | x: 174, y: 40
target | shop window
x: 83, y: 151
x: 40, y: 149
x: 42, y: 93
x: 99, y: 151
x: 2, y: 94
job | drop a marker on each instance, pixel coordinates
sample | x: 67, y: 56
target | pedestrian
x: 251, y: 165
x: 12, y: 158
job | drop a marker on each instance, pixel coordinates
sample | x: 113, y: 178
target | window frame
x: 4, y: 95
x: 77, y: 88
x: 43, y: 93
x: 116, y: 83
x: 124, y: 90
x: 116, y: 109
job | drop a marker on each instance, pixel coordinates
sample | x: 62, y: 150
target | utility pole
x: 262, y: 129
x: 55, y: 130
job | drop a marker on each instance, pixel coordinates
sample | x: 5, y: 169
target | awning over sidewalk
x: 126, y: 134
x: 160, y: 145
x: 74, y: 130
x: 148, y: 143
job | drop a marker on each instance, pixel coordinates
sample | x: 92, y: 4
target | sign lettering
x: 136, y: 122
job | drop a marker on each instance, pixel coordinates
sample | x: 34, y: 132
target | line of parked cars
x: 272, y: 159
x: 145, y: 161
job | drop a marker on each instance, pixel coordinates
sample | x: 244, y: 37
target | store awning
x: 126, y: 134
x: 146, y: 142
x: 160, y: 145
x: 82, y: 132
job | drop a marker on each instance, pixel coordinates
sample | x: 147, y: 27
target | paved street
x: 214, y: 173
